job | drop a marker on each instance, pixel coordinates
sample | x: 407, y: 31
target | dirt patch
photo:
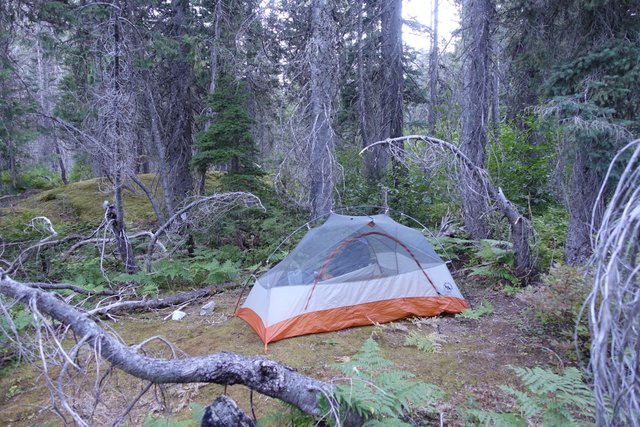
x: 472, y: 361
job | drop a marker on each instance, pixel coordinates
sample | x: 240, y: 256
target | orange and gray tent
x: 351, y: 271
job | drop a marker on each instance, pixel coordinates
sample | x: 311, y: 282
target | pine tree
x: 228, y: 141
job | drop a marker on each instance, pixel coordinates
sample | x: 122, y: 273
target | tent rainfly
x: 351, y: 271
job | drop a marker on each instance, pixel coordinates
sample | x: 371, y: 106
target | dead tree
x: 477, y: 16
x: 614, y: 303
x: 322, y: 51
x: 433, y: 71
x: 521, y: 228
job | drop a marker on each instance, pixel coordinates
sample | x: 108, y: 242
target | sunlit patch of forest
x: 158, y: 158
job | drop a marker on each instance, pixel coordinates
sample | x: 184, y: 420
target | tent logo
x: 448, y: 287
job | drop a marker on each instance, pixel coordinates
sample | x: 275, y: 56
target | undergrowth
x: 425, y: 343
x: 550, y: 399
x: 380, y: 393
x: 558, y: 303
x: 485, y: 308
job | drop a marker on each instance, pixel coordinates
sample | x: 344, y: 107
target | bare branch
x: 222, y: 201
x: 521, y: 228
x: 43, y: 244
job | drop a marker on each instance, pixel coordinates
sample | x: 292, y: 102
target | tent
x: 351, y: 271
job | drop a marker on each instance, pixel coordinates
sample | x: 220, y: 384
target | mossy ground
x: 472, y: 362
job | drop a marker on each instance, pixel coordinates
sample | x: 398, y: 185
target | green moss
x: 14, y: 223
x: 78, y: 206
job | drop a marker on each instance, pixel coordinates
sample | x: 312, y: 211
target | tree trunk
x: 393, y: 79
x: 115, y: 214
x: 156, y: 136
x: 213, y: 78
x: 582, y: 197
x: 374, y: 160
x: 44, y: 92
x: 13, y: 164
x: 476, y: 21
x: 433, y: 72
x: 323, y: 83
x: 179, y: 118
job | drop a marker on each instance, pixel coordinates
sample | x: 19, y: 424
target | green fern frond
x: 368, y: 359
x: 490, y: 419
x: 485, y: 308
x: 378, y: 391
x: 421, y: 342
x: 550, y: 400
x: 528, y: 406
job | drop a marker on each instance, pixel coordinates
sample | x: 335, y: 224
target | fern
x: 488, y: 418
x: 550, y: 400
x: 484, y: 309
x: 380, y: 393
x: 497, y: 261
x: 422, y: 342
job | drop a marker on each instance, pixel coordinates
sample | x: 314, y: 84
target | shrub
x: 551, y: 227
x: 38, y: 177
x: 495, y: 260
x: 558, y: 302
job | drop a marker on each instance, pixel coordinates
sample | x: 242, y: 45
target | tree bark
x: 585, y: 208
x: 393, y: 79
x: 178, y: 121
x: 477, y: 16
x: 323, y: 64
x: 115, y: 216
x: 433, y: 72
x: 224, y: 412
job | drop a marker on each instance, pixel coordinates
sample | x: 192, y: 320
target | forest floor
x: 473, y: 359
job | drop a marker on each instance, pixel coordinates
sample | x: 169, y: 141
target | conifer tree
x: 228, y: 141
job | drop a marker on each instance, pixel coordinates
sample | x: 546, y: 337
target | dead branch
x: 262, y: 375
x: 41, y: 245
x: 70, y: 287
x: 614, y: 302
x: 521, y: 228
x: 99, y: 240
x: 160, y: 302
x: 218, y: 202
x: 154, y: 203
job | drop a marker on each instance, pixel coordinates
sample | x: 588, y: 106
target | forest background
x: 182, y: 99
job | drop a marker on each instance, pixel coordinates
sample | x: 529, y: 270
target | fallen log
x: 260, y: 374
x: 153, y: 304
